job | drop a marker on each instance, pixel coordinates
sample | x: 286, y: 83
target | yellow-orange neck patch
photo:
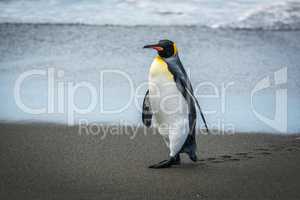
x: 159, y: 67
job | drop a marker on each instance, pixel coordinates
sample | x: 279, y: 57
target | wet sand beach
x: 49, y: 161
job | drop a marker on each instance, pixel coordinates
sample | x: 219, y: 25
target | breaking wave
x: 279, y: 16
x: 235, y: 14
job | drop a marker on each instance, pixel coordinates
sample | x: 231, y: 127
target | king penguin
x: 170, y: 105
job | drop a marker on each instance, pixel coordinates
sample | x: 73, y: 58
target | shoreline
x: 136, y: 127
x: 191, y: 26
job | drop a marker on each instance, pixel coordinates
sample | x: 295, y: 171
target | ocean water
x: 241, y: 14
x: 245, y: 80
x: 83, y: 60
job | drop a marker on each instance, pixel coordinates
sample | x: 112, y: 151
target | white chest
x: 167, y: 102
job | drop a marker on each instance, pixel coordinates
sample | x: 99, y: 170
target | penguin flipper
x: 193, y: 98
x: 147, y: 113
x: 183, y: 83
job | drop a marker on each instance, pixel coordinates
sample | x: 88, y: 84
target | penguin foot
x: 193, y: 157
x: 177, y: 160
x: 166, y: 163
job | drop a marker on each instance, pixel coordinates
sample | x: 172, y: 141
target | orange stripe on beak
x: 158, y: 48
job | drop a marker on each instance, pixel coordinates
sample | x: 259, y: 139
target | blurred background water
x: 232, y: 44
x: 252, y: 14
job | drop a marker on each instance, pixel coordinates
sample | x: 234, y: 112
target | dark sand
x: 55, y: 162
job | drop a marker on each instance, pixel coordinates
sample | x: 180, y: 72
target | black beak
x: 154, y: 46
x: 151, y: 46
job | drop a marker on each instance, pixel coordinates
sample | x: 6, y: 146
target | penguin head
x: 164, y: 48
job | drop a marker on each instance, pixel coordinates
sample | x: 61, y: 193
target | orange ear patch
x: 175, y: 48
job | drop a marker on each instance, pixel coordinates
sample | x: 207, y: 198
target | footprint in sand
x: 278, y: 148
x: 226, y: 156
x: 262, y: 149
x: 264, y: 153
x: 234, y: 159
x: 210, y: 158
x: 217, y: 161
x: 245, y: 155
x: 242, y: 154
x: 239, y: 156
x: 291, y: 149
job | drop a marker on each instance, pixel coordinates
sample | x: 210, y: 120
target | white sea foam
x: 278, y: 16
x: 255, y: 14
